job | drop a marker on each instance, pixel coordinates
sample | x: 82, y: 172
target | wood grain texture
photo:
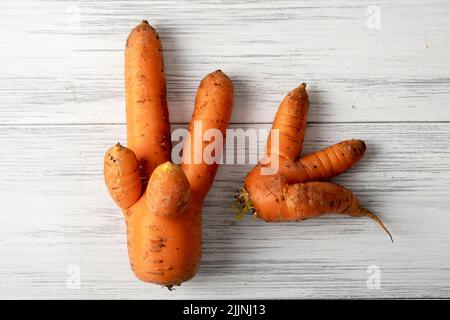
x: 57, y: 213
x: 63, y: 61
x: 61, y: 83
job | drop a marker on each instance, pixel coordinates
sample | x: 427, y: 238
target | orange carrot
x: 213, y: 104
x: 331, y: 161
x: 321, y: 165
x: 164, y: 222
x: 290, y: 121
x: 291, y: 193
x: 148, y: 131
x: 122, y: 176
x: 165, y: 246
x: 168, y: 192
x: 273, y: 199
x: 164, y: 250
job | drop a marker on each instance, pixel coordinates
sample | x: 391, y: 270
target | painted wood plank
x: 56, y: 216
x: 61, y: 62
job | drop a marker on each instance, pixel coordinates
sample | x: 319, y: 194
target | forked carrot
x: 162, y: 203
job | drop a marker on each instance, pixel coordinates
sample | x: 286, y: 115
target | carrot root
x: 161, y: 202
x: 297, y: 191
x: 367, y: 213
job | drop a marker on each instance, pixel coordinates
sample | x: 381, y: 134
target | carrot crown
x: 243, y: 205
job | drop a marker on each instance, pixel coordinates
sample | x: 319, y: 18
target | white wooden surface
x: 61, y: 87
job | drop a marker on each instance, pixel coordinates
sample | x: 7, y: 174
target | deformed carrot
x: 292, y: 192
x: 162, y: 204
x: 273, y: 199
x: 165, y: 245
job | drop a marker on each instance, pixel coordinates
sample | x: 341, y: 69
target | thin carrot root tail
x: 366, y: 213
x: 242, y: 204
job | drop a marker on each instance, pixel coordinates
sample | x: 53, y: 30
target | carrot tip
x: 299, y: 92
x: 371, y: 215
x: 361, y: 143
x: 170, y: 287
